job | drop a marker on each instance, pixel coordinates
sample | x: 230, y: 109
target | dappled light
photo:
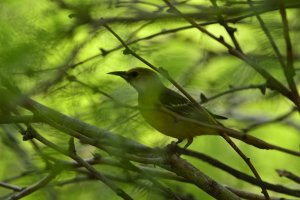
x: 153, y: 99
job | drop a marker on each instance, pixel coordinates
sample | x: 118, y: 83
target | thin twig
x: 38, y: 185
x: 268, y: 34
x: 21, y: 175
x: 241, y: 193
x: 289, y: 69
x: 96, y: 89
x: 64, y: 67
x: 229, y: 29
x: 249, y: 163
x: 229, y: 20
x: 277, y: 119
x: 157, y: 184
x: 238, y: 174
x: 272, y: 82
x: 82, y: 162
x: 251, y: 196
x: 201, y: 15
x: 288, y: 175
x: 10, y: 186
x: 261, y: 87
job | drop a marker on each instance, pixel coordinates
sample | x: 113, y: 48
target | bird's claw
x: 172, y: 148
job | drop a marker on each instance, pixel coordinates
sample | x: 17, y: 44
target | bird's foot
x: 173, y: 147
x: 189, y: 142
x: 178, y: 141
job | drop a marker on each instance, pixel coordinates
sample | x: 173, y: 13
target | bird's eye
x: 134, y: 74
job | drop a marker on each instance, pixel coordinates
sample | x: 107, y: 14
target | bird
x: 167, y: 111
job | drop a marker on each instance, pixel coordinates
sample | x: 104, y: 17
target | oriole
x: 166, y: 110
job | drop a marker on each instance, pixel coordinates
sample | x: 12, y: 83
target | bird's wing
x: 182, y: 106
x: 217, y: 116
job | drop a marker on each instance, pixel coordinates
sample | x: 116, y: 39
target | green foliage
x: 59, y: 53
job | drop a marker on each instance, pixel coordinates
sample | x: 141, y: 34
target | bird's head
x: 141, y: 79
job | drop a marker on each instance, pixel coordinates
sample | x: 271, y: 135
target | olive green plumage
x: 166, y: 110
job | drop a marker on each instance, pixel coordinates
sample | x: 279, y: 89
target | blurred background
x: 58, y: 53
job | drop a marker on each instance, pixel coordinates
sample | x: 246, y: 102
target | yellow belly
x: 168, y: 124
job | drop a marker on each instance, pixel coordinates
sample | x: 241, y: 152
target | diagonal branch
x: 268, y: 34
x: 272, y: 82
x: 289, y: 69
x: 261, y: 87
x: 229, y: 29
x: 269, y: 121
x: 33, y: 188
x: 85, y: 164
x: 181, y: 167
x: 10, y: 186
x: 288, y: 174
x: 186, y: 170
x: 238, y: 174
x: 249, y: 163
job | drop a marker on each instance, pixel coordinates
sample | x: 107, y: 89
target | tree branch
x: 288, y: 174
x: 85, y: 164
x: 38, y: 185
x: 272, y: 82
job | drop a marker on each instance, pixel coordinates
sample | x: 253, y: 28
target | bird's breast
x: 169, y: 123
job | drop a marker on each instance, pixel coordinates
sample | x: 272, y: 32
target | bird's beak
x: 122, y: 74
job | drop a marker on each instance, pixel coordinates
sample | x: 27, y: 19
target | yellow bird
x: 167, y: 111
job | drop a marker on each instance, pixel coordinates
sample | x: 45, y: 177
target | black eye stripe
x: 134, y: 74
